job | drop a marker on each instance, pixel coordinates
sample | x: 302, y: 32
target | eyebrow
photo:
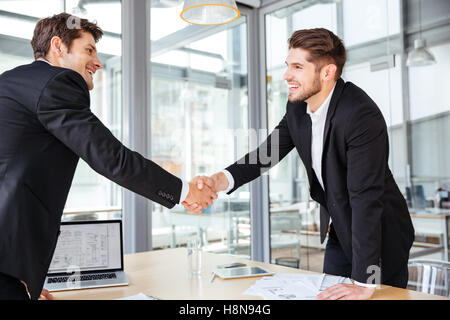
x: 295, y: 64
x: 93, y: 48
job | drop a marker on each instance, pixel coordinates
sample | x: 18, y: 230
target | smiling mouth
x: 91, y: 73
x: 293, y: 87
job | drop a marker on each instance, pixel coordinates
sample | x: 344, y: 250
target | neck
x: 53, y: 61
x: 315, y: 101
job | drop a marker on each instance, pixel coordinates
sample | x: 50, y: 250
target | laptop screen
x: 88, y: 246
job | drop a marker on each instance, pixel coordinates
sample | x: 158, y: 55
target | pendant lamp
x: 209, y: 12
x: 420, y: 56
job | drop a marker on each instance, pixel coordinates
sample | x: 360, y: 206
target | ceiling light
x: 420, y: 56
x: 209, y: 12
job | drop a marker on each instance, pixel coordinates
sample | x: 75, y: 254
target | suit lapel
x: 305, y: 141
x: 302, y: 137
x: 331, y: 110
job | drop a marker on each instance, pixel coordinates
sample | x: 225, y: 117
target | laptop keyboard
x: 83, y: 277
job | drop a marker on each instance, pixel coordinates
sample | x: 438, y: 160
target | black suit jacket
x: 45, y: 126
x: 367, y: 209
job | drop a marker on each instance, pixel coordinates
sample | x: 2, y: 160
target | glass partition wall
x: 199, y: 122
x: 413, y: 101
x: 294, y: 236
x: 294, y: 217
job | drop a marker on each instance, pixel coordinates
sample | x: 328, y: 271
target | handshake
x: 203, y: 190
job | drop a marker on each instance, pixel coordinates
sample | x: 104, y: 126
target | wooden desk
x: 163, y: 274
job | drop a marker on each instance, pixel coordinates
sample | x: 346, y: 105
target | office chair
x: 416, y: 198
x: 429, y: 276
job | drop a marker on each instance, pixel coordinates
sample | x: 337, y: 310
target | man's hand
x: 343, y: 291
x: 217, y: 182
x: 199, y: 198
x: 46, y: 295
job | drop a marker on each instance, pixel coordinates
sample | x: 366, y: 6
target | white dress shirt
x: 42, y: 59
x: 185, y: 185
x: 318, y: 119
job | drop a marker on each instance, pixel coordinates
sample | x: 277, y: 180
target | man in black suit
x: 46, y: 125
x: 341, y: 137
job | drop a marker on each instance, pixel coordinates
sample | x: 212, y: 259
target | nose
x: 287, y: 75
x: 98, y: 65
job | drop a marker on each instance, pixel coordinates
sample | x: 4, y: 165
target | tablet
x: 243, y: 272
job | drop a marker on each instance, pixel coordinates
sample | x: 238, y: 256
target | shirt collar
x: 42, y: 59
x: 323, y: 107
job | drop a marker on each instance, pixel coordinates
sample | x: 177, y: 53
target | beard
x: 315, y: 88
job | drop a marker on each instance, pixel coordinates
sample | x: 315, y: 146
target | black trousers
x: 336, y: 263
x: 12, y: 289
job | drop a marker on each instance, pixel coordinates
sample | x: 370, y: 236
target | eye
x: 90, y: 51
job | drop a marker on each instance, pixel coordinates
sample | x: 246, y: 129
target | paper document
x: 293, y: 286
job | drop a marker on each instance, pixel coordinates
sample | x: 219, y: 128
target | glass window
x: 294, y: 236
x: 370, y: 20
x: 294, y: 218
x: 428, y: 86
x: 430, y: 123
x: 199, y: 122
x: 33, y: 8
x: 91, y: 195
x: 167, y: 17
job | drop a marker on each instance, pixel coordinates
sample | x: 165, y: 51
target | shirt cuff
x: 367, y: 285
x: 230, y: 181
x: 184, y: 191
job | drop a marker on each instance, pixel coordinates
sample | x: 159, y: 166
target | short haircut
x: 324, y: 47
x: 62, y: 25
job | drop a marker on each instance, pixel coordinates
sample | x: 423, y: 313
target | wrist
x: 190, y: 194
x: 220, y: 181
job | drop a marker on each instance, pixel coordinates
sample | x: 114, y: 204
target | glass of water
x: 194, y: 256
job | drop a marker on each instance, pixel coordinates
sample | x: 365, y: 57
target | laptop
x: 88, y: 254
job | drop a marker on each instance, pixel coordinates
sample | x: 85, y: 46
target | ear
x: 56, y: 46
x: 329, y: 72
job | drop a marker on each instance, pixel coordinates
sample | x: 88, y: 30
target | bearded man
x: 341, y: 136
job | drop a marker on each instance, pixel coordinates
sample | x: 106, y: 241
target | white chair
x: 429, y: 276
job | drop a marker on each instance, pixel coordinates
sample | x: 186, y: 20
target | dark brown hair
x: 324, y: 47
x: 62, y: 25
